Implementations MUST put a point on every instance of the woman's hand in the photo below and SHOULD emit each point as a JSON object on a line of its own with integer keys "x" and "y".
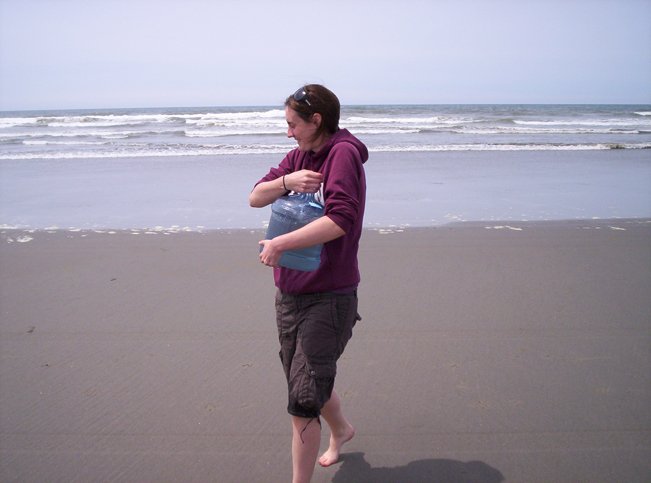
{"x": 270, "y": 254}
{"x": 319, "y": 231}
{"x": 304, "y": 181}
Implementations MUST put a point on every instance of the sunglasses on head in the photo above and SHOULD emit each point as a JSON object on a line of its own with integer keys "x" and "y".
{"x": 301, "y": 95}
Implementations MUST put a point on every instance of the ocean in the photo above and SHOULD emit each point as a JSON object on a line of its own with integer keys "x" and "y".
{"x": 192, "y": 168}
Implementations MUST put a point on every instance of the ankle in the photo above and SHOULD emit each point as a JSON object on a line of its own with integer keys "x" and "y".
{"x": 342, "y": 431}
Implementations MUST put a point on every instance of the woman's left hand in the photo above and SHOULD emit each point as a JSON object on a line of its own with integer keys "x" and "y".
{"x": 270, "y": 254}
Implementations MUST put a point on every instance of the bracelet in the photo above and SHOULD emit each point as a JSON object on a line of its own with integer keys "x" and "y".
{"x": 284, "y": 185}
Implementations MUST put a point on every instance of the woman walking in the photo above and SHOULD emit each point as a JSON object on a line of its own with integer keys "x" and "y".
{"x": 316, "y": 311}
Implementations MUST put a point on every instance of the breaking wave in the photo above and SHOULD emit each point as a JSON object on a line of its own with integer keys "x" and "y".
{"x": 187, "y": 132}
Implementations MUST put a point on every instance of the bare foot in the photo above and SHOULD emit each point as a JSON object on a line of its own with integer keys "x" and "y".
{"x": 332, "y": 455}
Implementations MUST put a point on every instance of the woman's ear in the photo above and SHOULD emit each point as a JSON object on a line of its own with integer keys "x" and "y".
{"x": 316, "y": 119}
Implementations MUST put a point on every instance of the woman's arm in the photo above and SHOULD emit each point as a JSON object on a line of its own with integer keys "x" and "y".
{"x": 266, "y": 193}
{"x": 319, "y": 231}
{"x": 303, "y": 181}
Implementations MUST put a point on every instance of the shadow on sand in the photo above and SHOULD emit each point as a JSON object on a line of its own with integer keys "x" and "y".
{"x": 354, "y": 468}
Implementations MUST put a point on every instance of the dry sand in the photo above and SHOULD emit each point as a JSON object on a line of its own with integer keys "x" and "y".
{"x": 518, "y": 353}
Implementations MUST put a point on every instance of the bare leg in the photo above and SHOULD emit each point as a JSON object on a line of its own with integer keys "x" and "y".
{"x": 341, "y": 431}
{"x": 306, "y": 438}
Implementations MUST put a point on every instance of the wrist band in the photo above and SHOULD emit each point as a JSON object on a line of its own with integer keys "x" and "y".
{"x": 284, "y": 185}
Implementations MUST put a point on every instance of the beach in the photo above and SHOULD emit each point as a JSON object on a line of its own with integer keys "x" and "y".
{"x": 505, "y": 297}
{"x": 489, "y": 351}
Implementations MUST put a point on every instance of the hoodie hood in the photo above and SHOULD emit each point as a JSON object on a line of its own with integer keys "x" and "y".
{"x": 341, "y": 136}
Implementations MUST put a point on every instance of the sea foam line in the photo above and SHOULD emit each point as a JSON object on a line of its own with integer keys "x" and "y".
{"x": 282, "y": 149}
{"x": 109, "y": 120}
{"x": 586, "y": 122}
{"x": 509, "y": 147}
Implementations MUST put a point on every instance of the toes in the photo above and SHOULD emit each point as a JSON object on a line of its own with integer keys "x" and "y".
{"x": 325, "y": 460}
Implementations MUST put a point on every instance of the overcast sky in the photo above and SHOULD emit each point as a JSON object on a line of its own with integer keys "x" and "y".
{"x": 57, "y": 54}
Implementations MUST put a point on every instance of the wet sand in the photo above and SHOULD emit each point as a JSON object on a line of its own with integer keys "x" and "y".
{"x": 486, "y": 353}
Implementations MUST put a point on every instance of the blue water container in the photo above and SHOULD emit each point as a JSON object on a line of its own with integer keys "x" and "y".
{"x": 289, "y": 213}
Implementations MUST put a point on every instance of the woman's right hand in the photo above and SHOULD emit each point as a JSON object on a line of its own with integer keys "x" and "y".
{"x": 304, "y": 181}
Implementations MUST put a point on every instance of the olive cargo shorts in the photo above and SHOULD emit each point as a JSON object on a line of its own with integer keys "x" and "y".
{"x": 313, "y": 330}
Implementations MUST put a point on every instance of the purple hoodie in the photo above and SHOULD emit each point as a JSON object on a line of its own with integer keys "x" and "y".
{"x": 344, "y": 188}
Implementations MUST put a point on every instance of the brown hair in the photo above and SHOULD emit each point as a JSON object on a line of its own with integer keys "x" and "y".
{"x": 321, "y": 100}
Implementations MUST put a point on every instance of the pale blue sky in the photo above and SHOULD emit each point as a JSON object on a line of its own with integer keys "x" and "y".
{"x": 57, "y": 54}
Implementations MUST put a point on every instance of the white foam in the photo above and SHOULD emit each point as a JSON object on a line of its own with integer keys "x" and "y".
{"x": 213, "y": 133}
{"x": 507, "y": 147}
{"x": 136, "y": 150}
{"x": 362, "y": 131}
{"x": 586, "y": 122}
{"x": 8, "y": 122}
{"x": 427, "y": 121}
{"x": 71, "y": 134}
{"x": 111, "y": 120}
{"x": 539, "y": 130}
{"x": 39, "y": 142}
{"x": 143, "y": 153}
{"x": 503, "y": 227}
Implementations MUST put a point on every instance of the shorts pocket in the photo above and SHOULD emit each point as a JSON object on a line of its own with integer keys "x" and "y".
{"x": 319, "y": 382}
{"x": 321, "y": 369}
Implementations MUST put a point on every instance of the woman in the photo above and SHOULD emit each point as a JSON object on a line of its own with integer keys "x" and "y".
{"x": 316, "y": 311}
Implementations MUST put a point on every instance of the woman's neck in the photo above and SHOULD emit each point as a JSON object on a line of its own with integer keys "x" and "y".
{"x": 320, "y": 143}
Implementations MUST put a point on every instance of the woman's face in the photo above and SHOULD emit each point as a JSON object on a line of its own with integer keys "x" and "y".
{"x": 302, "y": 131}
